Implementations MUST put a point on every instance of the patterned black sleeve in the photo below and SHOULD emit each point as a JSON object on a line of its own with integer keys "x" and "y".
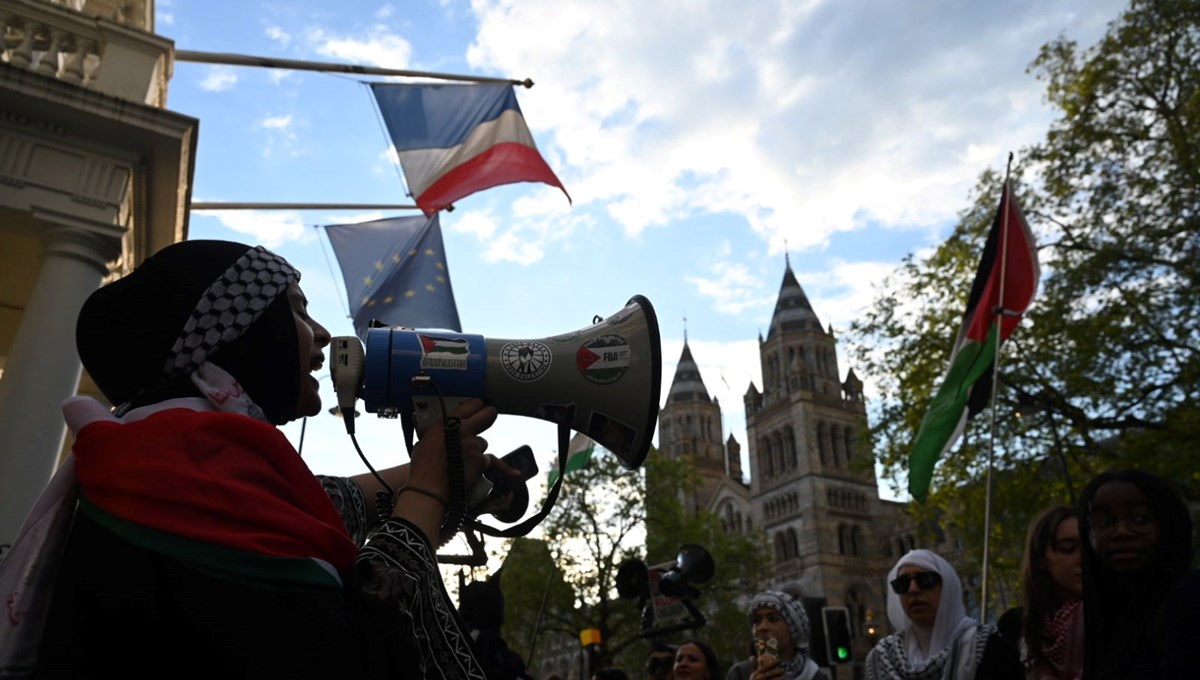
{"x": 348, "y": 499}
{"x": 398, "y": 569}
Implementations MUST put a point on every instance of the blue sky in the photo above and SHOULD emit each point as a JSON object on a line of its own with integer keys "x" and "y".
{"x": 696, "y": 138}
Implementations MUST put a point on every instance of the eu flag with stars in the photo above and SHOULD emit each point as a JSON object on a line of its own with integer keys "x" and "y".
{"x": 395, "y": 272}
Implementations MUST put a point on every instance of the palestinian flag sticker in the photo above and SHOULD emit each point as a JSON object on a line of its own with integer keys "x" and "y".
{"x": 603, "y": 360}
{"x": 444, "y": 352}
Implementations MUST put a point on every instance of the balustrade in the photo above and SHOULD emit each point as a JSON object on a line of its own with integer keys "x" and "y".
{"x": 99, "y": 45}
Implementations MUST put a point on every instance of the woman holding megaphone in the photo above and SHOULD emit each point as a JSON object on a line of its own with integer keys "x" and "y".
{"x": 201, "y": 537}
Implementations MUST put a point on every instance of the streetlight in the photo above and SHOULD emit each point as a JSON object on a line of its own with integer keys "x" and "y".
{"x": 871, "y": 628}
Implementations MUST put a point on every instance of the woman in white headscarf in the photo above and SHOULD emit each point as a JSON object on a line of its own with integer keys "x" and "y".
{"x": 934, "y": 638}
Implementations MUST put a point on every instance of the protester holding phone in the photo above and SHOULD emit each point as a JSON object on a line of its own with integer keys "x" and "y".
{"x": 781, "y": 633}
{"x": 935, "y": 638}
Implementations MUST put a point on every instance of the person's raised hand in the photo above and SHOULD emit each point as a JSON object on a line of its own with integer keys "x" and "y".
{"x": 428, "y": 468}
{"x": 424, "y": 498}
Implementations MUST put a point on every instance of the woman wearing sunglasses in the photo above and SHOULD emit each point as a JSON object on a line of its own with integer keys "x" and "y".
{"x": 934, "y": 638}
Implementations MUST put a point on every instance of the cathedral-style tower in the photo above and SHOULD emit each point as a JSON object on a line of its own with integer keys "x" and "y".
{"x": 813, "y": 487}
{"x": 689, "y": 427}
{"x": 812, "y": 491}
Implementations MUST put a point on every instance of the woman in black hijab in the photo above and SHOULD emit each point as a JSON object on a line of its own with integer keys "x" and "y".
{"x": 202, "y": 543}
{"x": 1140, "y": 601}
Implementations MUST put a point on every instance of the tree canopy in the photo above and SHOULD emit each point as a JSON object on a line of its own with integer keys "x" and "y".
{"x": 1102, "y": 372}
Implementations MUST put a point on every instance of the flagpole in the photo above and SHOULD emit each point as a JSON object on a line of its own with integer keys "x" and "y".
{"x": 218, "y": 205}
{"x": 998, "y": 316}
{"x": 537, "y": 626}
{"x": 331, "y": 67}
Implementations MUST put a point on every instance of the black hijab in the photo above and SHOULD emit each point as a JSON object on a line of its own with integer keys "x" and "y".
{"x": 126, "y": 331}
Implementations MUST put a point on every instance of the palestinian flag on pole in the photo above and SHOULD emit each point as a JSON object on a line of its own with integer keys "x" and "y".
{"x": 1004, "y": 286}
{"x": 579, "y": 455}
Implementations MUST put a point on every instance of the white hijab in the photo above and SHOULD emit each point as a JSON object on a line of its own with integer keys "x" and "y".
{"x": 952, "y": 648}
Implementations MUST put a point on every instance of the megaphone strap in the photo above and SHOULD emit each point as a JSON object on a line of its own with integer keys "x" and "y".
{"x": 564, "y": 437}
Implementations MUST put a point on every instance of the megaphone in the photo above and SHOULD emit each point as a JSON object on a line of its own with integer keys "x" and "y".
{"x": 693, "y": 564}
{"x": 603, "y": 380}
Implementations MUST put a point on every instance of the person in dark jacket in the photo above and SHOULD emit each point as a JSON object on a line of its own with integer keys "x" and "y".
{"x": 1141, "y": 599}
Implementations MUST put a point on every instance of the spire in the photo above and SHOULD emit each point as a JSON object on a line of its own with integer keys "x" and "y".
{"x": 792, "y": 310}
{"x": 687, "y": 385}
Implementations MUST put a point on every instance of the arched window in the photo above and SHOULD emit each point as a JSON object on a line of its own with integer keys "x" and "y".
{"x": 793, "y": 461}
{"x": 842, "y": 539}
{"x": 823, "y": 442}
{"x": 835, "y": 442}
{"x": 780, "y": 547}
{"x": 856, "y": 540}
{"x": 849, "y": 444}
{"x": 793, "y": 544}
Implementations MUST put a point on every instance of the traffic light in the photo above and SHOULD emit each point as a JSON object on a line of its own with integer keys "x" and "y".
{"x": 816, "y": 638}
{"x": 837, "y": 634}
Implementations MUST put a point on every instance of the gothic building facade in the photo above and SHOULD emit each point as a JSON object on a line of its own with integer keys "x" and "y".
{"x": 812, "y": 490}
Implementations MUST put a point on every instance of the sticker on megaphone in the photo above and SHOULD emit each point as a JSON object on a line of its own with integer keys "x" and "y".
{"x": 603, "y": 380}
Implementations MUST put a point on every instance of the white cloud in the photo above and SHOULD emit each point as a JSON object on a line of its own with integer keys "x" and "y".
{"x": 807, "y": 120}
{"x": 385, "y": 12}
{"x": 732, "y": 288}
{"x": 276, "y": 122}
{"x": 219, "y": 79}
{"x": 278, "y": 35}
{"x": 378, "y": 48}
{"x": 270, "y": 228}
{"x": 480, "y": 224}
{"x": 353, "y": 218}
{"x": 281, "y": 135}
{"x": 163, "y": 14}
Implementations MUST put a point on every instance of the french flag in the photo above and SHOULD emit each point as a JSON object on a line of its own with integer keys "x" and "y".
{"x": 454, "y": 140}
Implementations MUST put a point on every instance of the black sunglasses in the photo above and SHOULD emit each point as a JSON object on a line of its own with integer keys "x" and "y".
{"x": 926, "y": 580}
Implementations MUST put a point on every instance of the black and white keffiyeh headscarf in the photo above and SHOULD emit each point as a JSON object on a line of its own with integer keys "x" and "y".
{"x": 228, "y": 307}
{"x": 952, "y": 649}
{"x": 206, "y": 316}
{"x": 800, "y": 666}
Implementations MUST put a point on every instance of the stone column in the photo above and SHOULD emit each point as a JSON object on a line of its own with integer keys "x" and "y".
{"x": 43, "y": 368}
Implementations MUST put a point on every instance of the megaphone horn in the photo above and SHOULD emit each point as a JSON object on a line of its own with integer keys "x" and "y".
{"x": 603, "y": 380}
